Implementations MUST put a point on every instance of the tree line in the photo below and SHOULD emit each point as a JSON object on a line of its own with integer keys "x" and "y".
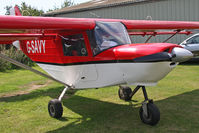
{"x": 28, "y": 10}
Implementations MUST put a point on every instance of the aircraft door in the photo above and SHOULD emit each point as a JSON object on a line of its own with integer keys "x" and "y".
{"x": 89, "y": 71}
{"x": 76, "y": 48}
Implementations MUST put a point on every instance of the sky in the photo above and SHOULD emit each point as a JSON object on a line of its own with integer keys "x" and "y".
{"x": 39, "y": 4}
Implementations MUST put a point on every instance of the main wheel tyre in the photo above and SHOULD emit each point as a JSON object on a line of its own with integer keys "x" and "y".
{"x": 153, "y": 114}
{"x": 55, "y": 108}
{"x": 124, "y": 93}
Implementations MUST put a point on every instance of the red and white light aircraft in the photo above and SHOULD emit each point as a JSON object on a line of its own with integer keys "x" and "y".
{"x": 92, "y": 53}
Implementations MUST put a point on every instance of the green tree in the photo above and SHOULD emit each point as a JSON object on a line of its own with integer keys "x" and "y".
{"x": 26, "y": 10}
{"x": 8, "y": 10}
{"x": 67, "y": 3}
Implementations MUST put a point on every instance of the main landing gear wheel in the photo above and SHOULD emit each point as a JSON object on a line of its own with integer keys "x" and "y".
{"x": 124, "y": 93}
{"x": 55, "y": 108}
{"x": 152, "y": 114}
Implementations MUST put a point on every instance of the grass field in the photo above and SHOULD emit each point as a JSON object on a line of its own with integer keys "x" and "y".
{"x": 24, "y": 98}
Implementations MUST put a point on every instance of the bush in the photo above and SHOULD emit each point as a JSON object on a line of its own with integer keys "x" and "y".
{"x": 15, "y": 54}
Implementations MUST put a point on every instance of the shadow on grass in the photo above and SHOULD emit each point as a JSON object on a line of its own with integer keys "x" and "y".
{"x": 99, "y": 116}
{"x": 178, "y": 113}
{"x": 52, "y": 92}
{"x": 191, "y": 62}
{"x": 49, "y": 92}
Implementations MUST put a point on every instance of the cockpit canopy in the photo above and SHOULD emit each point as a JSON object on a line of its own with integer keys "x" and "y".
{"x": 110, "y": 34}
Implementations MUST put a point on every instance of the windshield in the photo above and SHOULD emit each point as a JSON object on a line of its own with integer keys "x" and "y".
{"x": 110, "y": 34}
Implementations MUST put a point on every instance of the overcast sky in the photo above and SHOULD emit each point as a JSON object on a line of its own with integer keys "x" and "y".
{"x": 39, "y": 4}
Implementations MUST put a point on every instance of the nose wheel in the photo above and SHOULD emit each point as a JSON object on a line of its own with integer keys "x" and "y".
{"x": 149, "y": 113}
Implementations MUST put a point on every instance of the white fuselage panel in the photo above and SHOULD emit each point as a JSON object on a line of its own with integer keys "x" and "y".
{"x": 108, "y": 74}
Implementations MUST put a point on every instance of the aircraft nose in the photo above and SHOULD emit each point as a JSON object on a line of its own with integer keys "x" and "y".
{"x": 181, "y": 54}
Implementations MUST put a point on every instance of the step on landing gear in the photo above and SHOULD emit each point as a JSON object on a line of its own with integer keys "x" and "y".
{"x": 55, "y": 108}
{"x": 149, "y": 113}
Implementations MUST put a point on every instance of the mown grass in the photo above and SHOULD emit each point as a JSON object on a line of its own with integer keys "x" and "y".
{"x": 14, "y": 80}
{"x": 100, "y": 110}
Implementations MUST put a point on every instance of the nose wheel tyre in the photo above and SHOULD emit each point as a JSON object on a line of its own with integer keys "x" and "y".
{"x": 124, "y": 93}
{"x": 153, "y": 114}
{"x": 55, "y": 108}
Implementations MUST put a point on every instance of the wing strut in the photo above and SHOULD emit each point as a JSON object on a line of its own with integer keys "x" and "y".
{"x": 31, "y": 69}
{"x": 172, "y": 36}
{"x": 149, "y": 38}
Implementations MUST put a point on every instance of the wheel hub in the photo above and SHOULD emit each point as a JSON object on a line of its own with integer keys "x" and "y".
{"x": 52, "y": 109}
{"x": 121, "y": 93}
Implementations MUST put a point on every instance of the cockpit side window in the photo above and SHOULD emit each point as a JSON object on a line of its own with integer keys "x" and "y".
{"x": 74, "y": 45}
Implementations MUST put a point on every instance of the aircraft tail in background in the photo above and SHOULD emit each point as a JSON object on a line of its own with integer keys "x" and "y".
{"x": 15, "y": 11}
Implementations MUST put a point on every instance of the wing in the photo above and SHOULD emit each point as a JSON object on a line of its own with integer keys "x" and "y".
{"x": 157, "y": 25}
{"x": 28, "y": 28}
